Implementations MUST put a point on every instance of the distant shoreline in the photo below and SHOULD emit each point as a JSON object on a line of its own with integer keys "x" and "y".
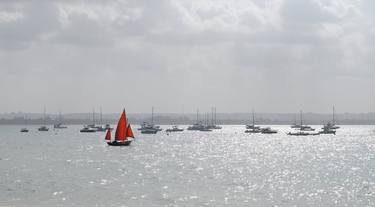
{"x": 187, "y": 119}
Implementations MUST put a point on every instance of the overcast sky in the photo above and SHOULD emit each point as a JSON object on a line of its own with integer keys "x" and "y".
{"x": 180, "y": 55}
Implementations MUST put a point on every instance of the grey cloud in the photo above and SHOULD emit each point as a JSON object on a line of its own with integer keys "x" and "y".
{"x": 271, "y": 56}
{"x": 39, "y": 19}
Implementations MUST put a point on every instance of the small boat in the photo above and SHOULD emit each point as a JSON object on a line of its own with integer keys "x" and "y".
{"x": 149, "y": 131}
{"x": 174, "y": 129}
{"x": 307, "y": 128}
{"x": 333, "y": 124}
{"x": 295, "y": 125}
{"x": 101, "y": 127}
{"x": 253, "y": 131}
{"x": 43, "y": 128}
{"x": 24, "y": 130}
{"x": 87, "y": 129}
{"x": 300, "y": 133}
{"x": 327, "y": 130}
{"x": 196, "y": 127}
{"x": 213, "y": 124}
{"x": 268, "y": 130}
{"x": 251, "y": 128}
{"x": 59, "y": 126}
{"x": 150, "y": 128}
{"x": 123, "y": 133}
{"x": 205, "y": 129}
{"x": 303, "y": 129}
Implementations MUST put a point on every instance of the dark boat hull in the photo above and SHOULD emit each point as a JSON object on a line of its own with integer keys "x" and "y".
{"x": 87, "y": 131}
{"x": 303, "y": 134}
{"x": 149, "y": 131}
{"x": 253, "y": 131}
{"x": 174, "y": 130}
{"x": 269, "y": 132}
{"x": 126, "y": 143}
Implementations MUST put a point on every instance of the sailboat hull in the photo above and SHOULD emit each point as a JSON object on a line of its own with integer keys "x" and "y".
{"x": 126, "y": 143}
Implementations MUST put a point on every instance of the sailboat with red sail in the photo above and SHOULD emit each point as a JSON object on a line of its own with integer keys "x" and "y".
{"x": 124, "y": 133}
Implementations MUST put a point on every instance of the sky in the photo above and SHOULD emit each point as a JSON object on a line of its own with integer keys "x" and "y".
{"x": 182, "y": 55}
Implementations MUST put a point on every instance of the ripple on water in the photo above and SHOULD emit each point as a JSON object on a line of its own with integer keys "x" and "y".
{"x": 221, "y": 168}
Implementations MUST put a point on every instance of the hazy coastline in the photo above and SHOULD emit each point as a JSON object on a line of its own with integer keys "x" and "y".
{"x": 190, "y": 118}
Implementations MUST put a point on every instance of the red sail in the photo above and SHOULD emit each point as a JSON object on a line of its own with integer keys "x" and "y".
{"x": 129, "y": 132}
{"x": 121, "y": 128}
{"x": 108, "y": 135}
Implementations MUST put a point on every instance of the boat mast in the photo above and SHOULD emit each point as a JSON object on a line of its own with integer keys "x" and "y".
{"x": 212, "y": 116}
{"x": 197, "y": 116}
{"x": 101, "y": 116}
{"x": 301, "y": 117}
{"x": 93, "y": 116}
{"x": 44, "y": 115}
{"x": 152, "y": 115}
{"x": 333, "y": 115}
{"x": 253, "y": 119}
{"x": 215, "y": 116}
{"x": 61, "y": 117}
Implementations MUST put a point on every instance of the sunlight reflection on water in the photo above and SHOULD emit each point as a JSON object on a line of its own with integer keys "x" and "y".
{"x": 224, "y": 167}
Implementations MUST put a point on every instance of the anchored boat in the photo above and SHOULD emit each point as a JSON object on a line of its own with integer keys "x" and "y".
{"x": 43, "y": 128}
{"x": 174, "y": 129}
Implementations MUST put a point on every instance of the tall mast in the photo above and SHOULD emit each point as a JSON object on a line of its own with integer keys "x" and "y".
{"x": 93, "y": 116}
{"x": 152, "y": 115}
{"x": 215, "y": 116}
{"x": 101, "y": 116}
{"x": 44, "y": 115}
{"x": 197, "y": 116}
{"x": 301, "y": 117}
{"x": 333, "y": 115}
{"x": 60, "y": 117}
{"x": 253, "y": 119}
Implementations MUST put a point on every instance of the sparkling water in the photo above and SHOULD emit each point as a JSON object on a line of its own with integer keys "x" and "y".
{"x": 221, "y": 168}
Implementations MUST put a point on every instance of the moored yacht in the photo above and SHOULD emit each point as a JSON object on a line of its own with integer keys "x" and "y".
{"x": 87, "y": 129}
{"x": 174, "y": 129}
{"x": 268, "y": 130}
{"x": 196, "y": 127}
{"x": 43, "y": 128}
{"x": 301, "y": 133}
{"x": 213, "y": 124}
{"x": 60, "y": 125}
{"x": 150, "y": 128}
{"x": 24, "y": 130}
{"x": 327, "y": 130}
{"x": 252, "y": 128}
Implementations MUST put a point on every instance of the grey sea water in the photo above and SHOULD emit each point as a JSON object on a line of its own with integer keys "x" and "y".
{"x": 221, "y": 168}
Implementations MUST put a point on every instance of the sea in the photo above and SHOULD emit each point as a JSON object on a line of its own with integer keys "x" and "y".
{"x": 220, "y": 168}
